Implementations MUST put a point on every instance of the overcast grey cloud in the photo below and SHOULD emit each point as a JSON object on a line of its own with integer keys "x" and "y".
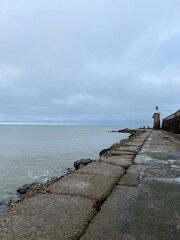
{"x": 88, "y": 61}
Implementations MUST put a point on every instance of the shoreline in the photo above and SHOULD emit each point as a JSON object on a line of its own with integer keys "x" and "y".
{"x": 73, "y": 200}
{"x": 35, "y": 187}
{"x": 121, "y": 196}
{"x": 37, "y": 159}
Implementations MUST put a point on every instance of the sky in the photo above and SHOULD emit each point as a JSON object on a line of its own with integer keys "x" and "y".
{"x": 89, "y": 61}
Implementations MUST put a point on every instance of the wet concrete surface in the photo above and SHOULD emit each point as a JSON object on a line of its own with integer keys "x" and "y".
{"x": 110, "y": 222}
{"x": 151, "y": 207}
{"x": 133, "y": 176}
{"x": 120, "y": 197}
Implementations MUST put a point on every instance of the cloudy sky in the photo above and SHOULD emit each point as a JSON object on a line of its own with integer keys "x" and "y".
{"x": 88, "y": 61}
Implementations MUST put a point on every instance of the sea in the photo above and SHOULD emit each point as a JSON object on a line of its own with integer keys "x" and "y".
{"x": 36, "y": 153}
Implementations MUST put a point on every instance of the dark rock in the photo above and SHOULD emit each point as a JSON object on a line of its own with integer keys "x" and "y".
{"x": 127, "y": 130}
{"x": 82, "y": 162}
{"x": 25, "y": 188}
{"x": 103, "y": 151}
{"x": 70, "y": 170}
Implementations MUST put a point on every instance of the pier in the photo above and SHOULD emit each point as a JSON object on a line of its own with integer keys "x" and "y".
{"x": 172, "y": 123}
{"x": 131, "y": 193}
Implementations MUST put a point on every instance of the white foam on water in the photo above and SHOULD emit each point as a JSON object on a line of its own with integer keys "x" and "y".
{"x": 39, "y": 176}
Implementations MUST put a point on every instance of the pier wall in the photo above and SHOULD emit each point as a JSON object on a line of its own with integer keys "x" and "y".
{"x": 131, "y": 189}
{"x": 172, "y": 123}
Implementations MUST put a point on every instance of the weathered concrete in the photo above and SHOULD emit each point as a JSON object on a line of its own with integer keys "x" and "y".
{"x": 154, "y": 215}
{"x": 132, "y": 176}
{"x": 128, "y": 148}
{"x": 50, "y": 217}
{"x": 141, "y": 204}
{"x": 145, "y": 204}
{"x": 103, "y": 169}
{"x": 122, "y": 160}
{"x": 134, "y": 142}
{"x": 67, "y": 206}
{"x": 117, "y": 153}
{"x": 93, "y": 186}
{"x": 109, "y": 223}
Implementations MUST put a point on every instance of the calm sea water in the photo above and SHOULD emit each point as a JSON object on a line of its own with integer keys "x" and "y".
{"x": 37, "y": 153}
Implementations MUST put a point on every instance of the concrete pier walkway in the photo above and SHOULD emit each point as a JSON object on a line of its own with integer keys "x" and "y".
{"x": 131, "y": 193}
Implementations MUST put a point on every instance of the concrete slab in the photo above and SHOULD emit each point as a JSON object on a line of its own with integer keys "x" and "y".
{"x": 92, "y": 186}
{"x": 155, "y": 214}
{"x": 133, "y": 176}
{"x": 161, "y": 172}
{"x": 152, "y": 158}
{"x": 50, "y": 217}
{"x": 126, "y": 148}
{"x": 134, "y": 143}
{"x": 117, "y": 153}
{"x": 138, "y": 213}
{"x": 104, "y": 169}
{"x": 110, "y": 222}
{"x": 159, "y": 148}
{"x": 123, "y": 160}
{"x": 142, "y": 139}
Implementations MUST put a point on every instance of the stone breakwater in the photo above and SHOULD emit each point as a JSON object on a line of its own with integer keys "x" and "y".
{"x": 29, "y": 190}
{"x": 78, "y": 193}
{"x": 131, "y": 192}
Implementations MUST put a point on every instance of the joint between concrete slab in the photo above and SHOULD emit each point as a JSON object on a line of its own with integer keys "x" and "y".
{"x": 67, "y": 194}
{"x": 98, "y": 174}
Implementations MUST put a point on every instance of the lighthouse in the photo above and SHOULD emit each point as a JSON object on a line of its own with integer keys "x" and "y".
{"x": 156, "y": 117}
